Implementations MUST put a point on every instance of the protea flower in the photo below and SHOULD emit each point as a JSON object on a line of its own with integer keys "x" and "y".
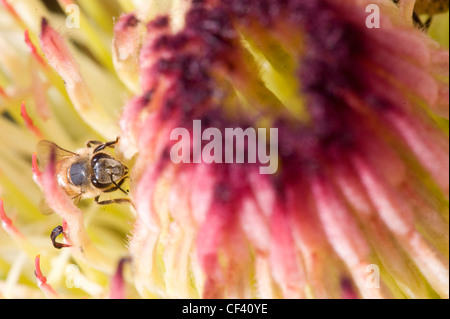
{"x": 357, "y": 206}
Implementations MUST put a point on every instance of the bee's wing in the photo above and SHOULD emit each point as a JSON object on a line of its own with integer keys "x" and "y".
{"x": 44, "y": 208}
{"x": 45, "y": 149}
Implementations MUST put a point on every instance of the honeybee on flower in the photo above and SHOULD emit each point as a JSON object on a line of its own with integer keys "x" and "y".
{"x": 358, "y": 205}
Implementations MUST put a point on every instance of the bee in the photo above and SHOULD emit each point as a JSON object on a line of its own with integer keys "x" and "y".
{"x": 88, "y": 172}
{"x": 430, "y": 8}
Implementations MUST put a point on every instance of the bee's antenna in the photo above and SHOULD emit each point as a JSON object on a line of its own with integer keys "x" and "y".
{"x": 118, "y": 186}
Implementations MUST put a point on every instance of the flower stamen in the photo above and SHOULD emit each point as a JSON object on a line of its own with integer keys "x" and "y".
{"x": 48, "y": 290}
{"x": 29, "y": 122}
{"x": 33, "y": 49}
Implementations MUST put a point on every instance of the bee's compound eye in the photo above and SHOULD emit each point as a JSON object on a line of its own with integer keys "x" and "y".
{"x": 78, "y": 173}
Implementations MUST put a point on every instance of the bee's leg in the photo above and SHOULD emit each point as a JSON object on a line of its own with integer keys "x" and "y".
{"x": 422, "y": 25}
{"x": 112, "y": 201}
{"x": 427, "y": 24}
{"x": 417, "y": 21}
{"x": 102, "y": 145}
{"x": 90, "y": 143}
{"x": 58, "y": 230}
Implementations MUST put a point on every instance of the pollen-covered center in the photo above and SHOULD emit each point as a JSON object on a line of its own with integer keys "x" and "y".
{"x": 346, "y": 102}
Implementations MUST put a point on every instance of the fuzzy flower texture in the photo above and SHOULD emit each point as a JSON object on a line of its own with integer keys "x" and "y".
{"x": 357, "y": 208}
